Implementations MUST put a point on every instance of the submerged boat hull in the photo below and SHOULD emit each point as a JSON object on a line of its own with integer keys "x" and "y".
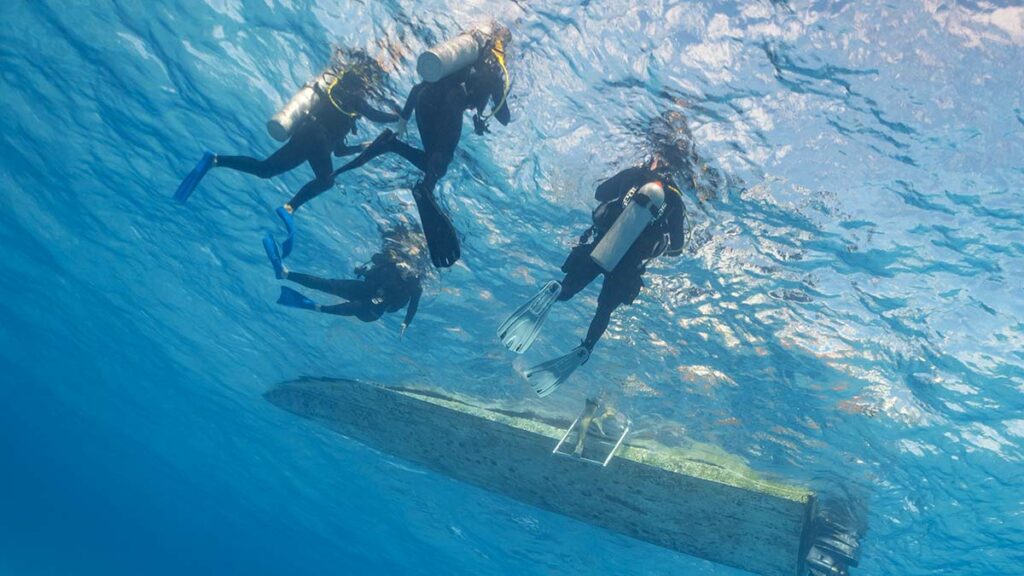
{"x": 692, "y": 507}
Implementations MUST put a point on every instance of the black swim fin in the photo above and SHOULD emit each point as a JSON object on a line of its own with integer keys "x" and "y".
{"x": 437, "y": 227}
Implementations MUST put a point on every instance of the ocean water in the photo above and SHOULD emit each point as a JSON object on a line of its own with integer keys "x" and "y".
{"x": 848, "y": 316}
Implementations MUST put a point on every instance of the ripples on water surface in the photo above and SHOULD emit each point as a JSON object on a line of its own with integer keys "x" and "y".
{"x": 850, "y": 314}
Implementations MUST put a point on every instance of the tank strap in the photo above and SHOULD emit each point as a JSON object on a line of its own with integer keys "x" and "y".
{"x": 330, "y": 95}
{"x": 628, "y": 196}
{"x": 645, "y": 201}
{"x": 498, "y": 50}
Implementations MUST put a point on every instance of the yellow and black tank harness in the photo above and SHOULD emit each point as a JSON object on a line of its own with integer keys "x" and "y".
{"x": 330, "y": 94}
{"x": 498, "y": 50}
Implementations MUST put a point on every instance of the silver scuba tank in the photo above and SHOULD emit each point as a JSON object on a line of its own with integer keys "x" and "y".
{"x": 283, "y": 124}
{"x": 642, "y": 208}
{"x": 454, "y": 54}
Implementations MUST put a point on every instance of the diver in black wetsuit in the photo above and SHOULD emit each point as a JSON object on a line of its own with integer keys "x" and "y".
{"x": 656, "y": 202}
{"x": 622, "y": 285}
{"x": 322, "y": 134}
{"x": 439, "y": 108}
{"x": 392, "y": 280}
{"x": 323, "y": 131}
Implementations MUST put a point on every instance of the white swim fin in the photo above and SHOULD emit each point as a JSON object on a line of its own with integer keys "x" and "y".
{"x": 548, "y": 376}
{"x": 521, "y": 328}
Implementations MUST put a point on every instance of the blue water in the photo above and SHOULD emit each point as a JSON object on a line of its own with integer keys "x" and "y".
{"x": 849, "y": 315}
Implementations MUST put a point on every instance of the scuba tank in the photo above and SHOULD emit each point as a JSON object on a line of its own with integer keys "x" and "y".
{"x": 642, "y": 207}
{"x": 283, "y": 124}
{"x": 454, "y": 54}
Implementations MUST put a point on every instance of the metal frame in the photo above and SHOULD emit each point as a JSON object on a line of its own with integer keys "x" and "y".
{"x": 611, "y": 453}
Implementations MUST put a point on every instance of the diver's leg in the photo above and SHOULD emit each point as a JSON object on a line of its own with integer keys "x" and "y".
{"x": 606, "y": 304}
{"x": 435, "y": 167}
{"x": 598, "y": 326}
{"x": 383, "y": 144}
{"x": 343, "y": 150}
{"x": 440, "y": 139}
{"x": 318, "y": 153}
{"x": 311, "y": 190}
{"x": 320, "y": 161}
{"x": 347, "y": 289}
{"x": 580, "y": 270}
{"x": 413, "y": 155}
{"x": 439, "y": 132}
{"x": 617, "y": 289}
{"x": 365, "y": 311}
{"x": 289, "y": 156}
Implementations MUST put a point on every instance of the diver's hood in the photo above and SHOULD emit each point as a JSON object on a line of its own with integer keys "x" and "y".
{"x": 500, "y": 32}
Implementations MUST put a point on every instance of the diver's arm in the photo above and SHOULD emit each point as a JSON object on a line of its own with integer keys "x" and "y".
{"x": 409, "y": 109}
{"x": 374, "y": 115}
{"x": 414, "y": 303}
{"x": 410, "y": 102}
{"x": 617, "y": 185}
{"x": 676, "y": 226}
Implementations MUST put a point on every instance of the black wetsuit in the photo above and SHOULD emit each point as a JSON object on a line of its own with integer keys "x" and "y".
{"x": 439, "y": 108}
{"x": 623, "y": 284}
{"x": 314, "y": 140}
{"x": 385, "y": 287}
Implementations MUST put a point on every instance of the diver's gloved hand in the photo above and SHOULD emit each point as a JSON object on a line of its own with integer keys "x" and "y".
{"x": 479, "y": 125}
{"x": 401, "y": 128}
{"x": 401, "y": 333}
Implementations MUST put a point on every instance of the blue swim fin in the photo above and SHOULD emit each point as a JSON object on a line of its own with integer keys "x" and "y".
{"x": 274, "y": 256}
{"x": 188, "y": 185}
{"x": 289, "y": 226}
{"x": 294, "y": 299}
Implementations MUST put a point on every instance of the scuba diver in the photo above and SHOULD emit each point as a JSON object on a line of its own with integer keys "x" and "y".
{"x": 641, "y": 217}
{"x": 392, "y": 280}
{"x": 461, "y": 74}
{"x": 315, "y": 123}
